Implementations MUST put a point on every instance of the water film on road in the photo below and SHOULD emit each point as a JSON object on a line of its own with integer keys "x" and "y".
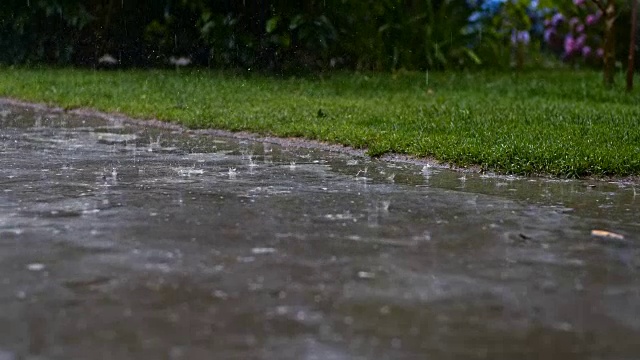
{"x": 130, "y": 242}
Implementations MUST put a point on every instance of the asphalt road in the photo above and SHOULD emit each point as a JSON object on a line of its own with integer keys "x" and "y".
{"x": 127, "y": 242}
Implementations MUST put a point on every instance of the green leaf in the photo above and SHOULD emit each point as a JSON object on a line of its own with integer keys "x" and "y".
{"x": 272, "y": 24}
{"x": 473, "y": 56}
{"x": 296, "y": 22}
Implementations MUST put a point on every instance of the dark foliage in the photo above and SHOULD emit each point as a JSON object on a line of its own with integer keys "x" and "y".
{"x": 272, "y": 35}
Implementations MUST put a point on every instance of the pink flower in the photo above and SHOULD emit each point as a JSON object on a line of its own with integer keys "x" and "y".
{"x": 586, "y": 52}
{"x": 569, "y": 45}
{"x": 600, "y": 52}
{"x": 591, "y": 19}
{"x": 579, "y": 2}
{"x": 557, "y": 19}
{"x": 580, "y": 42}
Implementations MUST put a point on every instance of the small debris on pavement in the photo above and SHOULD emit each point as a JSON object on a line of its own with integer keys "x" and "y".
{"x": 606, "y": 235}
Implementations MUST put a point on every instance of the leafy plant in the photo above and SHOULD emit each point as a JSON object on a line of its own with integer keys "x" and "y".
{"x": 507, "y": 31}
{"x": 446, "y": 44}
{"x": 307, "y": 40}
{"x": 594, "y": 30}
{"x": 576, "y": 33}
{"x": 40, "y": 30}
{"x": 228, "y": 45}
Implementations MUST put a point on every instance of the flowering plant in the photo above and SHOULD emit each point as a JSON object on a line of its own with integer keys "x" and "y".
{"x": 575, "y": 34}
{"x": 515, "y": 25}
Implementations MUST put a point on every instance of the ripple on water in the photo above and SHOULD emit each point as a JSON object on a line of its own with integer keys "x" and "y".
{"x": 111, "y": 138}
{"x": 64, "y": 208}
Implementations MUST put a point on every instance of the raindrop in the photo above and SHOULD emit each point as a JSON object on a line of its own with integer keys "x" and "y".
{"x": 245, "y": 259}
{"x": 35, "y": 267}
{"x": 189, "y": 171}
{"x": 363, "y": 172}
{"x": 251, "y": 162}
{"x": 263, "y": 250}
{"x": 107, "y": 60}
{"x": 179, "y": 61}
{"x": 220, "y": 294}
{"x": 366, "y": 275}
{"x": 154, "y": 144}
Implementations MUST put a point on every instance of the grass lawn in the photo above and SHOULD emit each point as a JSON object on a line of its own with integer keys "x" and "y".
{"x": 545, "y": 122}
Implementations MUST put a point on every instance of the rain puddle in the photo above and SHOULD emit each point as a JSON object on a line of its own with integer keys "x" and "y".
{"x": 125, "y": 242}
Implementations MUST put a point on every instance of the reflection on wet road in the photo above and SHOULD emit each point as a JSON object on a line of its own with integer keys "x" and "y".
{"x": 123, "y": 242}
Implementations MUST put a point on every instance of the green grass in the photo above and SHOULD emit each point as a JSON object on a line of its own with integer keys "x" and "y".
{"x": 545, "y": 122}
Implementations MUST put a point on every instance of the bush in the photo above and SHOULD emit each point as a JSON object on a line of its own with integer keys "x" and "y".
{"x": 574, "y": 32}
{"x": 41, "y": 31}
{"x": 276, "y": 36}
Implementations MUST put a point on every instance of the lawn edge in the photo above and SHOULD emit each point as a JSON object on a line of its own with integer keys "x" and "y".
{"x": 297, "y": 142}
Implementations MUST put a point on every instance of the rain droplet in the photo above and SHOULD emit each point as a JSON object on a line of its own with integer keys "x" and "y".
{"x": 263, "y": 250}
{"x": 366, "y": 275}
{"x": 35, "y": 267}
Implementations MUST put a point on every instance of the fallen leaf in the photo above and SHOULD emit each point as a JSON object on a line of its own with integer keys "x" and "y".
{"x": 606, "y": 234}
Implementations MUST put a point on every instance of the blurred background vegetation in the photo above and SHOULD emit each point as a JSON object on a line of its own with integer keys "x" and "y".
{"x": 308, "y": 36}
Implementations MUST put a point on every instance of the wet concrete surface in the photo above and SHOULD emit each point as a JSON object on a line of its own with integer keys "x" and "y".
{"x": 125, "y": 242}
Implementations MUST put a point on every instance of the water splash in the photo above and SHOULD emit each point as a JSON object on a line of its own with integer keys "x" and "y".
{"x": 362, "y": 174}
{"x": 188, "y": 171}
{"x": 252, "y": 163}
{"x": 153, "y": 145}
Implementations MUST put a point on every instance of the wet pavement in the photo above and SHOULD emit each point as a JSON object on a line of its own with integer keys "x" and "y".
{"x": 125, "y": 242}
